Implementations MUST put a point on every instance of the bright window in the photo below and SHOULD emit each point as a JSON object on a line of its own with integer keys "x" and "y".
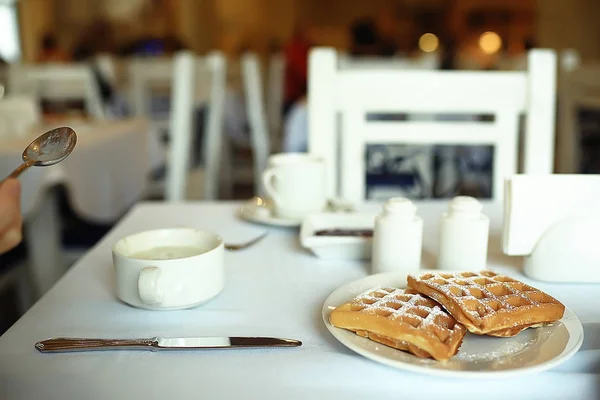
{"x": 10, "y": 49}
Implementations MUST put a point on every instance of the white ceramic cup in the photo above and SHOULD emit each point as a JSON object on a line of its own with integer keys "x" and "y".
{"x": 296, "y": 184}
{"x": 169, "y": 269}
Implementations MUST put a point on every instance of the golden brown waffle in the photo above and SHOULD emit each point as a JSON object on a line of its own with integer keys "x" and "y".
{"x": 405, "y": 321}
{"x": 487, "y": 303}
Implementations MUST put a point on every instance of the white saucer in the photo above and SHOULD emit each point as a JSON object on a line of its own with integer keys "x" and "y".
{"x": 264, "y": 215}
{"x": 261, "y": 211}
{"x": 533, "y": 350}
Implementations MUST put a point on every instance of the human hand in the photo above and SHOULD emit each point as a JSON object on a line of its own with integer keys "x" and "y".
{"x": 11, "y": 221}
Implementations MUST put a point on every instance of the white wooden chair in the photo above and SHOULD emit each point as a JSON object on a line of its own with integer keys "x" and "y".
{"x": 213, "y": 71}
{"x": 579, "y": 89}
{"x": 259, "y": 129}
{"x": 354, "y": 93}
{"x": 58, "y": 82}
{"x": 426, "y": 61}
{"x": 150, "y": 79}
{"x": 415, "y": 158}
{"x": 106, "y": 64}
{"x": 181, "y": 125}
{"x": 196, "y": 80}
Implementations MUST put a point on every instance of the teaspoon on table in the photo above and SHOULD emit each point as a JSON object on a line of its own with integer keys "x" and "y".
{"x": 48, "y": 149}
{"x": 242, "y": 246}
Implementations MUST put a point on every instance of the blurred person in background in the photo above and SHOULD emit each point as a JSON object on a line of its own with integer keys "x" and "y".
{"x": 386, "y": 25}
{"x": 50, "y": 52}
{"x": 11, "y": 222}
{"x": 236, "y": 118}
{"x": 370, "y": 38}
{"x": 364, "y": 40}
{"x": 96, "y": 38}
{"x": 449, "y": 54}
{"x": 150, "y": 46}
{"x": 295, "y": 128}
{"x": 296, "y": 66}
{"x": 100, "y": 38}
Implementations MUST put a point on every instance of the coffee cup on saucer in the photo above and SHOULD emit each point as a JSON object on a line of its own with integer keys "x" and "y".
{"x": 295, "y": 182}
{"x": 169, "y": 269}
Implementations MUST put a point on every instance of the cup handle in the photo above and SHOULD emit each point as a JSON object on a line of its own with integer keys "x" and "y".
{"x": 267, "y": 178}
{"x": 149, "y": 287}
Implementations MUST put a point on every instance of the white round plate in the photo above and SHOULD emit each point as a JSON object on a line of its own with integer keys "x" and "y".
{"x": 248, "y": 213}
{"x": 532, "y": 350}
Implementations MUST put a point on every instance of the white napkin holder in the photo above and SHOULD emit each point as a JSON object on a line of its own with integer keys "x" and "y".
{"x": 554, "y": 221}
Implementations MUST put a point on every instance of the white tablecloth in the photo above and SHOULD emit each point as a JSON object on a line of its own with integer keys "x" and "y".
{"x": 275, "y": 288}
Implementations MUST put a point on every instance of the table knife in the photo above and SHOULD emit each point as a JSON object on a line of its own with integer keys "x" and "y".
{"x": 60, "y": 344}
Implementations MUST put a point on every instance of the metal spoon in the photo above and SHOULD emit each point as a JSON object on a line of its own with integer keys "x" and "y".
{"x": 48, "y": 149}
{"x": 242, "y": 246}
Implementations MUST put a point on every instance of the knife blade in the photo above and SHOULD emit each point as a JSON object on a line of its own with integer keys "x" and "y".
{"x": 65, "y": 344}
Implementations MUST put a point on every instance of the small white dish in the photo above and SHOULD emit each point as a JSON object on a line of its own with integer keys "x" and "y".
{"x": 337, "y": 247}
{"x": 484, "y": 357}
{"x": 261, "y": 212}
{"x": 169, "y": 269}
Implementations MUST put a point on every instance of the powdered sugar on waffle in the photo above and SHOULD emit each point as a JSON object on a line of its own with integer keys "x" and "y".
{"x": 381, "y": 299}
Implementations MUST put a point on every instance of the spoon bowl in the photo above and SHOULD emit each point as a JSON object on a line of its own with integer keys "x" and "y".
{"x": 51, "y": 148}
{"x": 48, "y": 149}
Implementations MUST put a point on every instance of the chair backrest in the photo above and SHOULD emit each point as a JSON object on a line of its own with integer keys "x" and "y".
{"x": 275, "y": 94}
{"x": 579, "y": 91}
{"x": 18, "y": 115}
{"x": 215, "y": 66}
{"x": 354, "y": 93}
{"x": 257, "y": 118}
{"x": 58, "y": 82}
{"x": 424, "y": 61}
{"x": 106, "y": 65}
{"x": 193, "y": 78}
{"x": 181, "y": 125}
{"x": 148, "y": 75}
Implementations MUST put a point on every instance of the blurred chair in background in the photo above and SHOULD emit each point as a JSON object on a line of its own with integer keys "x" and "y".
{"x": 357, "y": 93}
{"x": 150, "y": 84}
{"x": 260, "y": 139}
{"x": 578, "y": 140}
{"x": 58, "y": 82}
{"x": 196, "y": 82}
{"x": 275, "y": 94}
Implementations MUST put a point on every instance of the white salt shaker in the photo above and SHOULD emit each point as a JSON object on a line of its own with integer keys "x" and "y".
{"x": 464, "y": 235}
{"x": 397, "y": 238}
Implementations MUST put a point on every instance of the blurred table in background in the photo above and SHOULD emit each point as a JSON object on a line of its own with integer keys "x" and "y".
{"x": 104, "y": 176}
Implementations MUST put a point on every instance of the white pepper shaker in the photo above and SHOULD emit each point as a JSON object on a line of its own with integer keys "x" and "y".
{"x": 397, "y": 238}
{"x": 464, "y": 236}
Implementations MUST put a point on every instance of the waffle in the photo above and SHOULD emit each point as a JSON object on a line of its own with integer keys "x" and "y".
{"x": 404, "y": 320}
{"x": 487, "y": 303}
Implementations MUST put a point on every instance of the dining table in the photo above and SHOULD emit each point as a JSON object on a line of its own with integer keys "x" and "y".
{"x": 275, "y": 288}
{"x": 107, "y": 173}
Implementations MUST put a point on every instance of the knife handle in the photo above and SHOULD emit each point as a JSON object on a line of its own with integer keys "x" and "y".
{"x": 54, "y": 345}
